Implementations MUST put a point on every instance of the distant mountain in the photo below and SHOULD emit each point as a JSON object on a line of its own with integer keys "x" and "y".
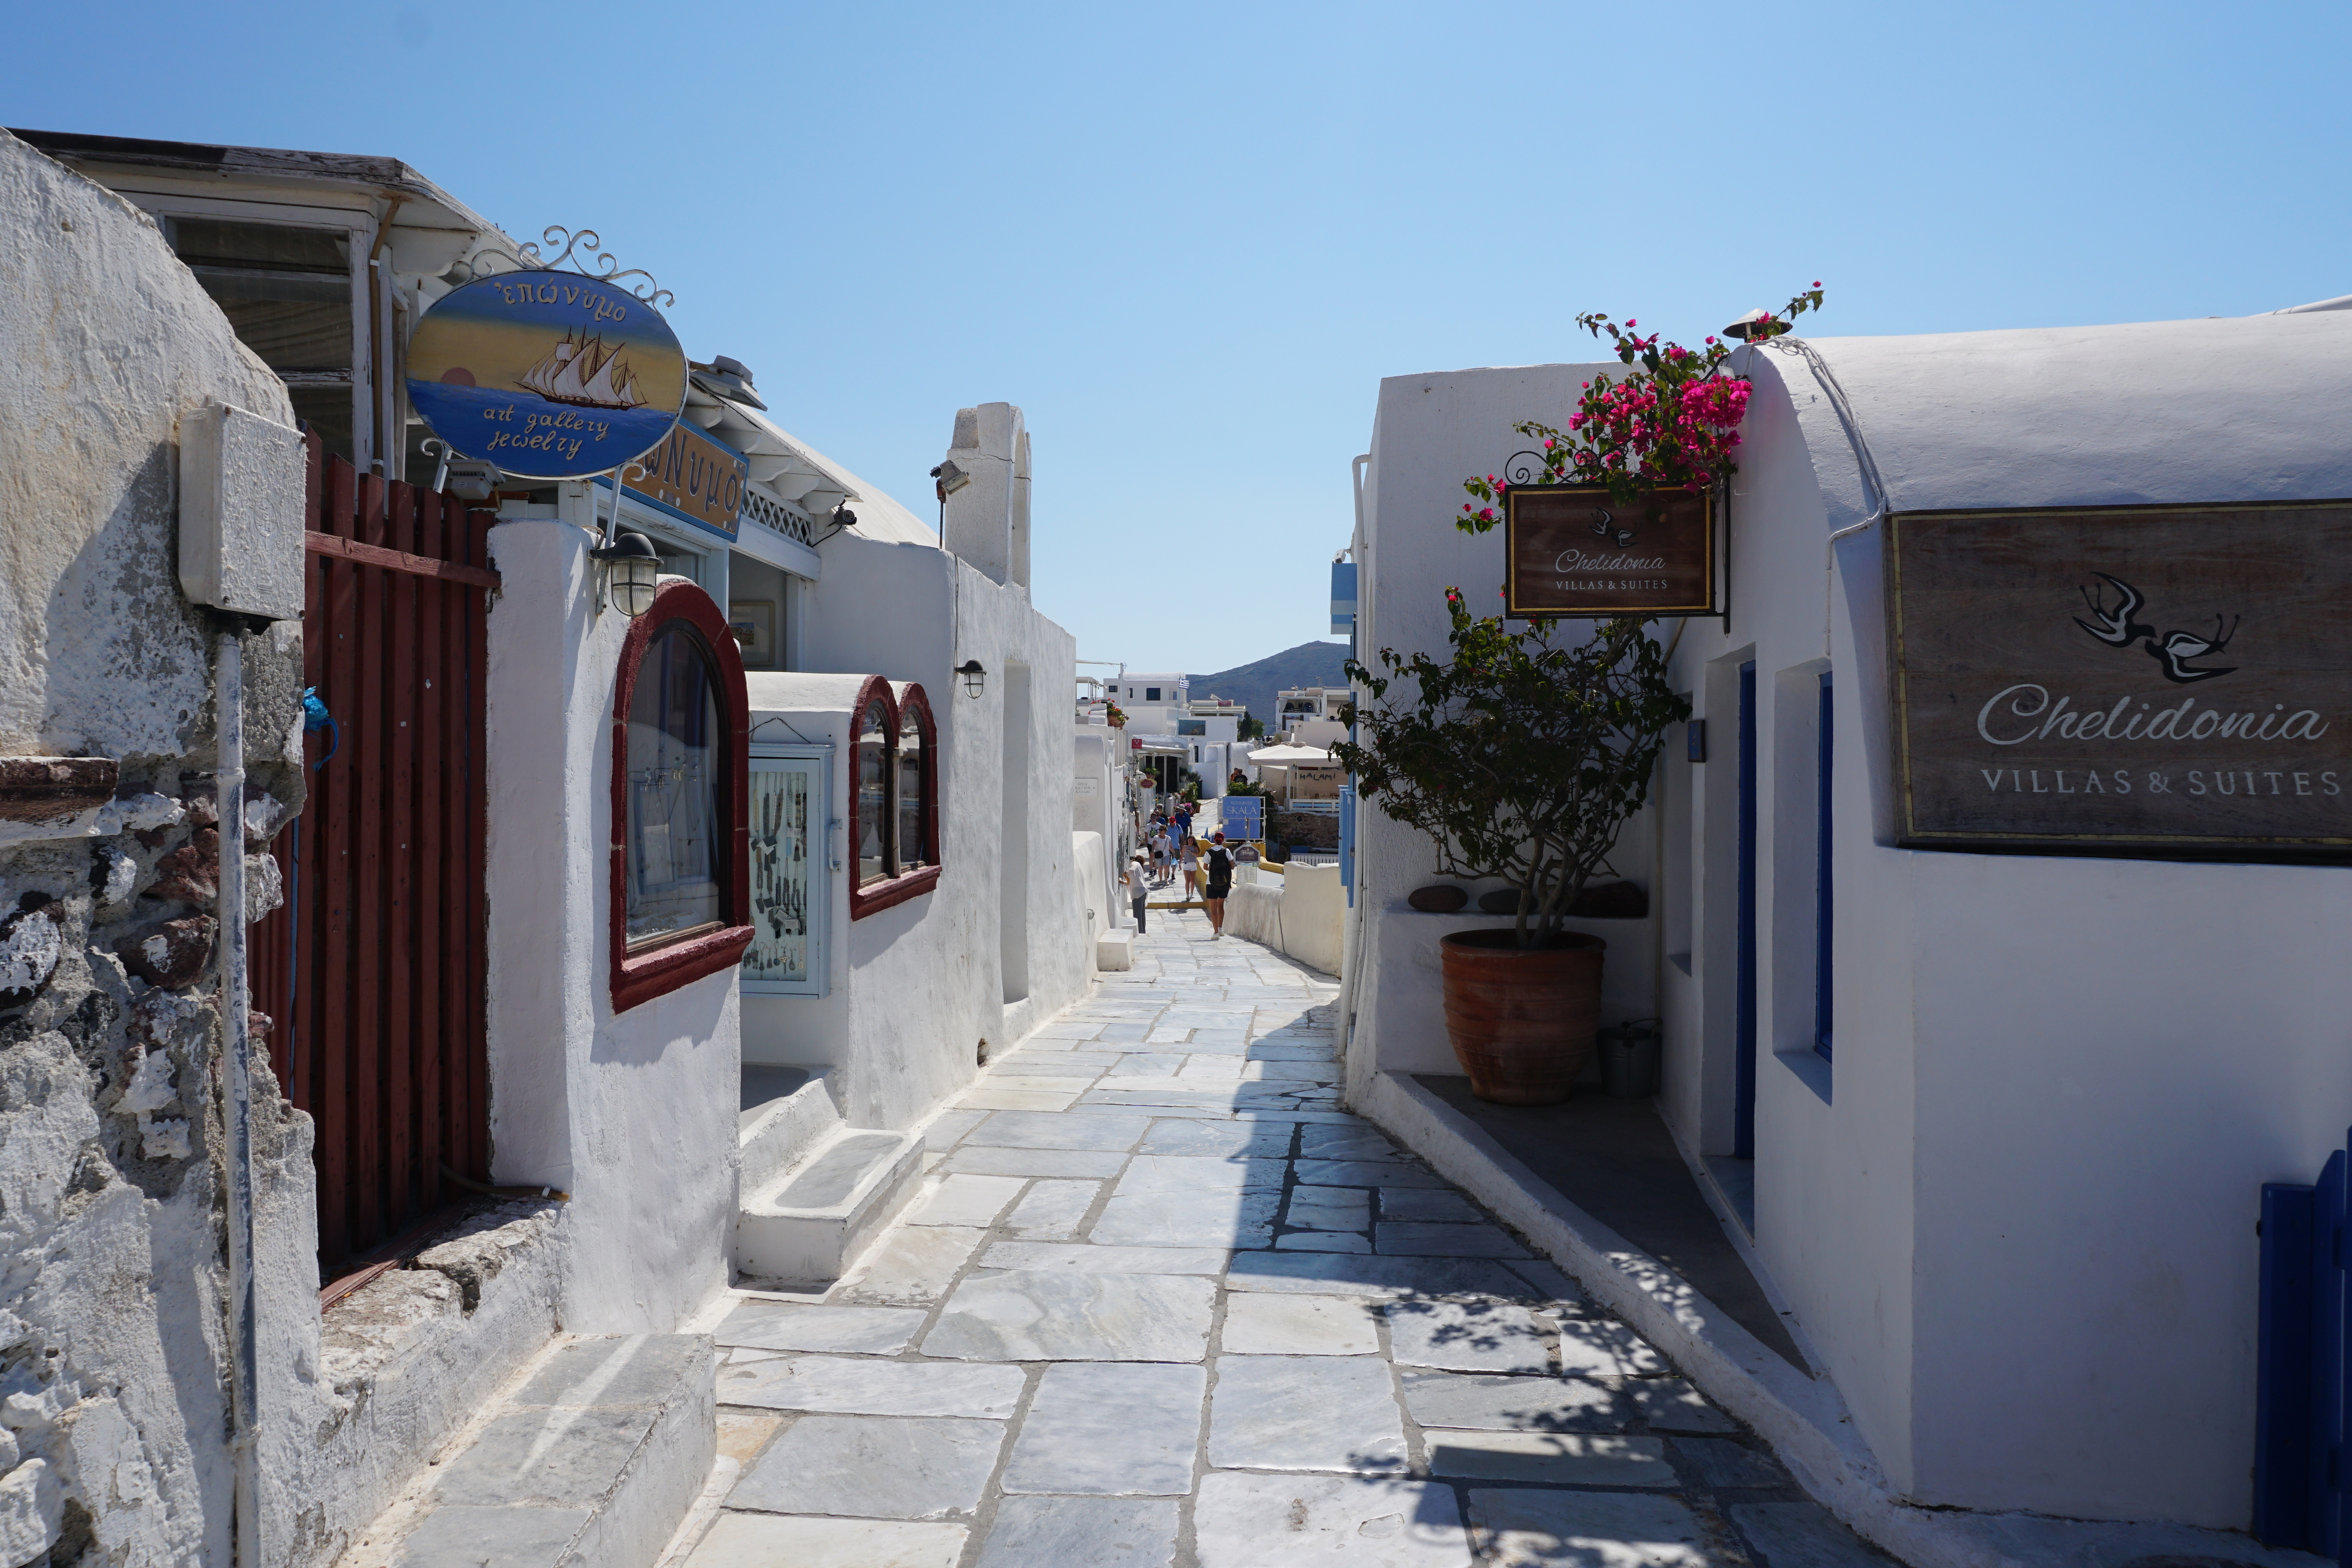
{"x": 1255, "y": 684}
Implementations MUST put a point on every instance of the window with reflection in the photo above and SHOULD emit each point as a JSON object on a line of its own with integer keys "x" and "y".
{"x": 913, "y": 845}
{"x": 897, "y": 776}
{"x": 873, "y": 792}
{"x": 675, "y": 757}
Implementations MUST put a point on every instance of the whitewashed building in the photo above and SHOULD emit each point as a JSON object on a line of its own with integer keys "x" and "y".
{"x": 518, "y": 1105}
{"x": 1989, "y": 1126}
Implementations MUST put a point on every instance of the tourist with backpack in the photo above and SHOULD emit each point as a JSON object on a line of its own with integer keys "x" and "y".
{"x": 1221, "y": 884}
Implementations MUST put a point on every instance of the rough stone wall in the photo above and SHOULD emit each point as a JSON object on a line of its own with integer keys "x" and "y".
{"x": 113, "y": 1407}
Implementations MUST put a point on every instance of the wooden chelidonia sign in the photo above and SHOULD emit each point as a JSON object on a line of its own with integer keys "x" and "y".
{"x": 2152, "y": 681}
{"x": 1572, "y": 552}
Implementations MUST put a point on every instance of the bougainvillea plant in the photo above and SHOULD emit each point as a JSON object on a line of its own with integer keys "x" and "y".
{"x": 1672, "y": 424}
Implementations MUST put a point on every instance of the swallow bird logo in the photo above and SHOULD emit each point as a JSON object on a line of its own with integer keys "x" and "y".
{"x": 2120, "y": 627}
{"x": 1606, "y": 527}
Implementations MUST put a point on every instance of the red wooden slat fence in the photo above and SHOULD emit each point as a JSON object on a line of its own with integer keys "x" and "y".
{"x": 372, "y": 972}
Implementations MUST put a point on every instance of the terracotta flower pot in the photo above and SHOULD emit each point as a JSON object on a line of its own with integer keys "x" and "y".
{"x": 1521, "y": 1019}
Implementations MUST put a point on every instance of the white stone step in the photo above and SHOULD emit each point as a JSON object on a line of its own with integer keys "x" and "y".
{"x": 781, "y": 1134}
{"x": 590, "y": 1462}
{"x": 1114, "y": 950}
{"x": 805, "y": 1226}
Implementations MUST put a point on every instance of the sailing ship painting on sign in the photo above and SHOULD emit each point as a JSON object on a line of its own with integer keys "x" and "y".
{"x": 550, "y": 375}
{"x": 585, "y": 372}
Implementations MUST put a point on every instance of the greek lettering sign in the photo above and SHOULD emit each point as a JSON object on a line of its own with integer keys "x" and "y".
{"x": 1572, "y": 552}
{"x": 550, "y": 375}
{"x": 2151, "y": 681}
{"x": 694, "y": 476}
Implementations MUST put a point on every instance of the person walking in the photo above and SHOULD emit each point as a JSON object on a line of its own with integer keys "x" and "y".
{"x": 1188, "y": 855}
{"x": 1138, "y": 877}
{"x": 1221, "y": 884}
{"x": 1184, "y": 821}
{"x": 1160, "y": 856}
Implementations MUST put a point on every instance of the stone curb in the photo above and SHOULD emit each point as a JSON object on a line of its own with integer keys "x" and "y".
{"x": 1804, "y": 1419}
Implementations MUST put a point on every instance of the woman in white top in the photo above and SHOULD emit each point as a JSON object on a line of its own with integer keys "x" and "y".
{"x": 1138, "y": 877}
{"x": 1188, "y": 855}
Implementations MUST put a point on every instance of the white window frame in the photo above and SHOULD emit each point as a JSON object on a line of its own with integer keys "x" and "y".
{"x": 360, "y": 228}
{"x": 816, "y": 760}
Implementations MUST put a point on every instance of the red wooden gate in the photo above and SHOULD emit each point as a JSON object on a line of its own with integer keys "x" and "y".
{"x": 374, "y": 970}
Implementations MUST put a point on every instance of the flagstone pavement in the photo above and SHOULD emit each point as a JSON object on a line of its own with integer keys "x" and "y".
{"x": 1164, "y": 1305}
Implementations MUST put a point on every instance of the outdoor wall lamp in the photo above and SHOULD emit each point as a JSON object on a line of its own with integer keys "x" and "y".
{"x": 841, "y": 516}
{"x": 975, "y": 678}
{"x": 631, "y": 568}
{"x": 1757, "y": 323}
{"x": 952, "y": 479}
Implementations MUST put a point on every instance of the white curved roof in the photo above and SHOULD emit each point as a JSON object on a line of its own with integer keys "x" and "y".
{"x": 2238, "y": 407}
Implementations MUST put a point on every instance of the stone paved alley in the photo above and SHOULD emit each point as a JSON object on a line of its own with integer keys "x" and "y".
{"x": 1162, "y": 1304}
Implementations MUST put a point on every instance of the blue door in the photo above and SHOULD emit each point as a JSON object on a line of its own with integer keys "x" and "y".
{"x": 2302, "y": 1397}
{"x": 1743, "y": 1126}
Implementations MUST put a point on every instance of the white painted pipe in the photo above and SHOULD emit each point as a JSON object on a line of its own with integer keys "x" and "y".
{"x": 229, "y": 789}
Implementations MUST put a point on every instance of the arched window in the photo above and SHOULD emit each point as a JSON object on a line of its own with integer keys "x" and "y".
{"x": 915, "y": 803}
{"x": 680, "y": 789}
{"x": 896, "y": 775}
{"x": 875, "y": 725}
{"x": 674, "y": 759}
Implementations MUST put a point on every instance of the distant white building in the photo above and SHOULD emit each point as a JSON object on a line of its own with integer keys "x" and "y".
{"x": 1151, "y": 702}
{"x": 1308, "y": 716}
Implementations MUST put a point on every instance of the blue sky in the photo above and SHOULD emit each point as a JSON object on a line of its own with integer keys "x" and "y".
{"x": 1191, "y": 240}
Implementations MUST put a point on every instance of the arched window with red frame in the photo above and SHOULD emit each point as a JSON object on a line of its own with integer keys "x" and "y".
{"x": 895, "y": 772}
{"x": 681, "y": 778}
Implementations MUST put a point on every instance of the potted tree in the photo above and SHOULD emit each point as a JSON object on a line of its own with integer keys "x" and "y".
{"x": 1522, "y": 754}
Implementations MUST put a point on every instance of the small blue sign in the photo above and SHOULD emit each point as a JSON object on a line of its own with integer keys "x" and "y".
{"x": 1343, "y": 598}
{"x": 1242, "y": 816}
{"x": 550, "y": 375}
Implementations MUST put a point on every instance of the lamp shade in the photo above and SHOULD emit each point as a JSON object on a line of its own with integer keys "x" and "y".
{"x": 632, "y": 571}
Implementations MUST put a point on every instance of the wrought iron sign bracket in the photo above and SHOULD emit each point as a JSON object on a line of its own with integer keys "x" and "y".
{"x": 582, "y": 249}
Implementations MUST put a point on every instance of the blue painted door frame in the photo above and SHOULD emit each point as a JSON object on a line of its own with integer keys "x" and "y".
{"x": 2301, "y": 1397}
{"x": 1743, "y": 1122}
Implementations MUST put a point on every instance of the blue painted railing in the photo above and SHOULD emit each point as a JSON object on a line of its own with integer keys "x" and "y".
{"x": 2301, "y": 1399}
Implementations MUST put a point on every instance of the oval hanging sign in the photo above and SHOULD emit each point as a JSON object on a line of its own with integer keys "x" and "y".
{"x": 550, "y": 375}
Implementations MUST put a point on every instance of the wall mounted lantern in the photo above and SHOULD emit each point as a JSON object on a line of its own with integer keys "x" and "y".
{"x": 950, "y": 479}
{"x": 840, "y": 517}
{"x": 975, "y": 678}
{"x": 630, "y": 570}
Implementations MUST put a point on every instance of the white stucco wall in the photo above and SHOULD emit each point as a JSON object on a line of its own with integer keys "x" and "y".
{"x": 634, "y": 1113}
{"x": 1297, "y": 911}
{"x": 1098, "y": 806}
{"x": 2051, "y": 1108}
{"x": 917, "y": 987}
{"x": 1432, "y": 432}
